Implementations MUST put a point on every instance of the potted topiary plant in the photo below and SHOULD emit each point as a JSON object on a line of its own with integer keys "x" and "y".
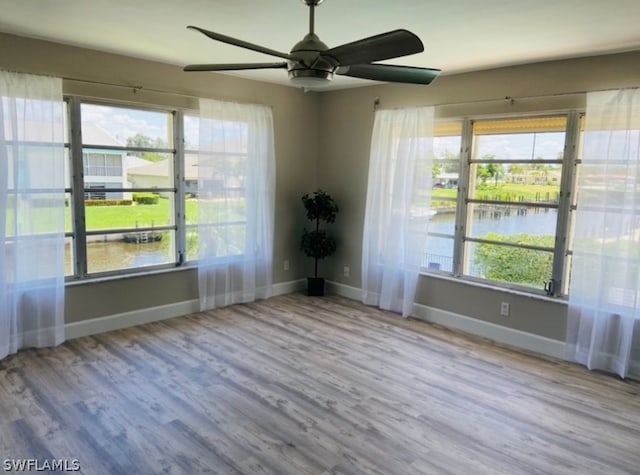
{"x": 317, "y": 243}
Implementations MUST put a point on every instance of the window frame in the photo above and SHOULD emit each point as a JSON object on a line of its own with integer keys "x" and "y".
{"x": 78, "y": 188}
{"x": 566, "y": 206}
{"x": 444, "y": 123}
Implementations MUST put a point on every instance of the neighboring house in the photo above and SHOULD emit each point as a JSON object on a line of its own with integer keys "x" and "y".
{"x": 157, "y": 174}
{"x": 133, "y": 161}
{"x": 446, "y": 180}
{"x": 191, "y": 174}
{"x": 535, "y": 177}
{"x": 103, "y": 168}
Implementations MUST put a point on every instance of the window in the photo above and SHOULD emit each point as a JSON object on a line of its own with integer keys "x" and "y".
{"x": 132, "y": 188}
{"x": 503, "y": 213}
{"x": 123, "y": 189}
{"x": 102, "y": 164}
{"x": 444, "y": 196}
{"x": 224, "y": 171}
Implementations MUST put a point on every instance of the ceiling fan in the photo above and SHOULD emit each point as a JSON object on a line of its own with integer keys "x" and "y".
{"x": 312, "y": 64}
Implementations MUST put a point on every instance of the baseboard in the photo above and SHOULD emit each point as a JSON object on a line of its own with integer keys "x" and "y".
{"x": 289, "y": 287}
{"x": 498, "y": 333}
{"x": 491, "y": 331}
{"x": 154, "y": 314}
{"x": 343, "y": 290}
{"x": 94, "y": 326}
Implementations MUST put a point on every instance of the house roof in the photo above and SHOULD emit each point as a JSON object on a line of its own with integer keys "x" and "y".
{"x": 134, "y": 161}
{"x": 93, "y": 134}
{"x": 161, "y": 168}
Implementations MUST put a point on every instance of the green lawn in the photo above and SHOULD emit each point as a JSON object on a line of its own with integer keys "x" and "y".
{"x": 505, "y": 192}
{"x": 516, "y": 192}
{"x": 119, "y": 217}
{"x": 161, "y": 214}
{"x": 444, "y": 193}
{"x": 508, "y": 192}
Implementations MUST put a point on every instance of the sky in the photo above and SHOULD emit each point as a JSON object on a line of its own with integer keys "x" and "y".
{"x": 122, "y": 123}
{"x": 508, "y": 147}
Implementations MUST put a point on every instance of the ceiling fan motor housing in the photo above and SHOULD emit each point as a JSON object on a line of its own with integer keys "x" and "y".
{"x": 311, "y": 64}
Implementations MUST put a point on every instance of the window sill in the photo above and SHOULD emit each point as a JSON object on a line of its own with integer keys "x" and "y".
{"x": 132, "y": 275}
{"x": 495, "y": 287}
{"x": 142, "y": 272}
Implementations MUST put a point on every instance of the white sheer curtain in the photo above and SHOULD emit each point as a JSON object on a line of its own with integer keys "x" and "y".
{"x": 236, "y": 200}
{"x": 603, "y": 329}
{"x": 397, "y": 213}
{"x": 32, "y": 211}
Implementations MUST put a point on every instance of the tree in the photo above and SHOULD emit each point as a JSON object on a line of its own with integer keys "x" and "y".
{"x": 143, "y": 141}
{"x": 139, "y": 140}
{"x": 436, "y": 170}
{"x": 452, "y": 164}
{"x": 517, "y": 170}
{"x": 495, "y": 170}
{"x": 483, "y": 173}
{"x": 490, "y": 170}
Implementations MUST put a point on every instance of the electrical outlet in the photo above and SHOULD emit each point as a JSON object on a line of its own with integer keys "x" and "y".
{"x": 504, "y": 309}
{"x": 286, "y": 264}
{"x": 346, "y": 271}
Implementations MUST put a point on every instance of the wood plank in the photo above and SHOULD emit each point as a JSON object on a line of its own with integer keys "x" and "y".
{"x": 312, "y": 386}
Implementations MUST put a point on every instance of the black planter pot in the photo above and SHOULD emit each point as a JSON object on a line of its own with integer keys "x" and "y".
{"x": 315, "y": 286}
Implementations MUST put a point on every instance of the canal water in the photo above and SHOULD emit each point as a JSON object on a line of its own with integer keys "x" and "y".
{"x": 116, "y": 254}
{"x": 536, "y": 222}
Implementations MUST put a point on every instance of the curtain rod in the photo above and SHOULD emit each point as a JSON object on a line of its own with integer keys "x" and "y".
{"x": 376, "y": 103}
{"x": 134, "y": 88}
{"x": 510, "y": 99}
{"x": 138, "y": 88}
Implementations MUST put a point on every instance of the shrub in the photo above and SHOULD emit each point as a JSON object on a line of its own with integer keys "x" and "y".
{"x": 146, "y": 198}
{"x": 514, "y": 264}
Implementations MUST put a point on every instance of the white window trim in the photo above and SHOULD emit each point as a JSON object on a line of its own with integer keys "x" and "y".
{"x": 565, "y": 207}
{"x": 79, "y": 233}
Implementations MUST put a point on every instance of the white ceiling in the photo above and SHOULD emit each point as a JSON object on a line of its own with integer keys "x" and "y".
{"x": 459, "y": 35}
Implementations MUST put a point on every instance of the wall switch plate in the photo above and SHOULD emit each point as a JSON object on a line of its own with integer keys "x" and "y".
{"x": 504, "y": 309}
{"x": 346, "y": 271}
{"x": 286, "y": 264}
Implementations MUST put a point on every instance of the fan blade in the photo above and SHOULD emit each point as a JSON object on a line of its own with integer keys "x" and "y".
{"x": 233, "y": 66}
{"x": 390, "y": 73}
{"x": 243, "y": 44}
{"x": 392, "y": 44}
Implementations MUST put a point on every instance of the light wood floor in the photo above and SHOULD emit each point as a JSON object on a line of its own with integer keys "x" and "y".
{"x": 299, "y": 385}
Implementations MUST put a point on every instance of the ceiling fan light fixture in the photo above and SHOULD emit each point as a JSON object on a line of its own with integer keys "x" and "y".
{"x": 310, "y": 78}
